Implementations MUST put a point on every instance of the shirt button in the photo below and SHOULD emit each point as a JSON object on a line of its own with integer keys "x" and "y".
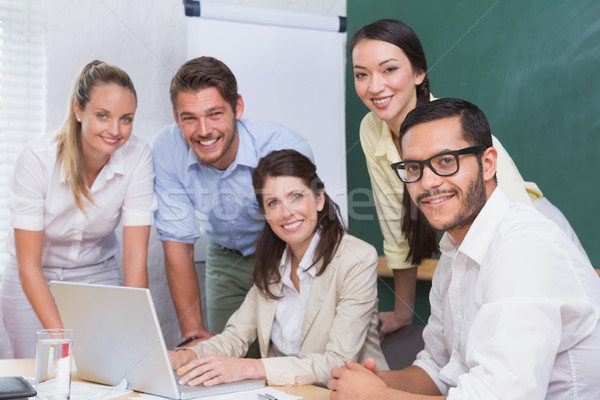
{"x": 239, "y": 237}
{"x": 233, "y": 222}
{"x": 227, "y": 199}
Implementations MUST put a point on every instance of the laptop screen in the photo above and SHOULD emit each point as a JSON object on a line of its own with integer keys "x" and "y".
{"x": 117, "y": 336}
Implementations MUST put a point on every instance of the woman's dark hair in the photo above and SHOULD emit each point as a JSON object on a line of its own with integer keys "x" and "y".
{"x": 401, "y": 35}
{"x": 269, "y": 247}
{"x": 421, "y": 237}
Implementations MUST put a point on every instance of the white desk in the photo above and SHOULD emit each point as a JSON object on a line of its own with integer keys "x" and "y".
{"x": 25, "y": 366}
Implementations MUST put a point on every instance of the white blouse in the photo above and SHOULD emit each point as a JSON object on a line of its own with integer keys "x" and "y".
{"x": 289, "y": 314}
{"x": 41, "y": 199}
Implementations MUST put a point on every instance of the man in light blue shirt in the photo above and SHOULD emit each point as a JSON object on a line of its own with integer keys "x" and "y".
{"x": 203, "y": 165}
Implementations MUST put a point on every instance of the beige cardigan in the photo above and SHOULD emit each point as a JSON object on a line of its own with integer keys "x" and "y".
{"x": 340, "y": 322}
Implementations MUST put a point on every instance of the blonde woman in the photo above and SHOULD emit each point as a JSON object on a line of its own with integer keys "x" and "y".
{"x": 69, "y": 192}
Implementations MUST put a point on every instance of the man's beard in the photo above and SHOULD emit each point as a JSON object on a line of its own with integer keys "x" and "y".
{"x": 471, "y": 206}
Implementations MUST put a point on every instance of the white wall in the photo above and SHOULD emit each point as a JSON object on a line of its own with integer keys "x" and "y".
{"x": 291, "y": 76}
{"x": 148, "y": 42}
{"x": 146, "y": 38}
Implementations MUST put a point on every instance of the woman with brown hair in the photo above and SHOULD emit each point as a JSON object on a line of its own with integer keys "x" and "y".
{"x": 68, "y": 194}
{"x": 314, "y": 300}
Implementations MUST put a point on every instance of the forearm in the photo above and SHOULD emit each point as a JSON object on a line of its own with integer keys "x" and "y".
{"x": 394, "y": 394}
{"x": 291, "y": 371}
{"x": 405, "y": 284}
{"x": 39, "y": 296}
{"x": 355, "y": 381}
{"x": 28, "y": 248}
{"x": 135, "y": 255}
{"x": 411, "y": 379}
{"x": 183, "y": 284}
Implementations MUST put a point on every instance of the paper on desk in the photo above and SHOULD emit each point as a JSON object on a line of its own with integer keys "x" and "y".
{"x": 243, "y": 395}
{"x": 92, "y": 391}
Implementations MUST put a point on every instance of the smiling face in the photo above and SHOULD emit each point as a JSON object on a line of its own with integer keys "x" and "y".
{"x": 106, "y": 120}
{"x": 385, "y": 81}
{"x": 449, "y": 203}
{"x": 291, "y": 210}
{"x": 209, "y": 125}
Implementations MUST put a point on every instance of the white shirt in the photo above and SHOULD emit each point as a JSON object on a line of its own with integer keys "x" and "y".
{"x": 514, "y": 311}
{"x": 41, "y": 199}
{"x": 289, "y": 314}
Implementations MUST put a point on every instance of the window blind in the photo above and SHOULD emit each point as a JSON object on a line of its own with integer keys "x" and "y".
{"x": 22, "y": 91}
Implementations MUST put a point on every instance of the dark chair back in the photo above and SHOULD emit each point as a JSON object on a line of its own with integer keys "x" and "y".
{"x": 400, "y": 348}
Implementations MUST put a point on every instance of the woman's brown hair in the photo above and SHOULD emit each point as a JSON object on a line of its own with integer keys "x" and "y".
{"x": 269, "y": 247}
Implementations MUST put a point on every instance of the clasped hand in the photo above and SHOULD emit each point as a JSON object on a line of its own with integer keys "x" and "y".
{"x": 355, "y": 381}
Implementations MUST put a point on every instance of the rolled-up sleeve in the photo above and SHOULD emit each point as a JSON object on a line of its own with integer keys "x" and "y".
{"x": 139, "y": 203}
{"x": 435, "y": 354}
{"x": 27, "y": 192}
{"x": 510, "y": 179}
{"x": 387, "y": 198}
{"x": 175, "y": 215}
{"x": 239, "y": 333}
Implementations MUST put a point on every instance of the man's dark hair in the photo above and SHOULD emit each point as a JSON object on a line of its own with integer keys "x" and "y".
{"x": 475, "y": 126}
{"x": 202, "y": 73}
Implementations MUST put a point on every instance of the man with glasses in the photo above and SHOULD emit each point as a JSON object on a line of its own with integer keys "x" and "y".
{"x": 515, "y": 306}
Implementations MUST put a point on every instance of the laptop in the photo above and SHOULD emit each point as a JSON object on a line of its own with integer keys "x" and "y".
{"x": 116, "y": 336}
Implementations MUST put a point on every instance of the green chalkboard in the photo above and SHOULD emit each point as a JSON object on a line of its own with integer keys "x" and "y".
{"x": 532, "y": 66}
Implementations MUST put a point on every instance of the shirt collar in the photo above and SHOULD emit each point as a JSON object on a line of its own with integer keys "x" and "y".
{"x": 482, "y": 230}
{"x": 246, "y": 154}
{"x": 114, "y": 166}
{"x": 385, "y": 144}
{"x": 116, "y": 163}
{"x": 306, "y": 264}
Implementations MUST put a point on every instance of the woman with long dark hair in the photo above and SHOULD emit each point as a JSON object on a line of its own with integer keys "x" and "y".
{"x": 390, "y": 77}
{"x": 314, "y": 300}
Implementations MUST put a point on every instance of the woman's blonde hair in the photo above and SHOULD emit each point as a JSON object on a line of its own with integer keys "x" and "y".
{"x": 69, "y": 136}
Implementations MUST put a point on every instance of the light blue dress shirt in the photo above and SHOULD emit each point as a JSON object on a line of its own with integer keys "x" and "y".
{"x": 223, "y": 202}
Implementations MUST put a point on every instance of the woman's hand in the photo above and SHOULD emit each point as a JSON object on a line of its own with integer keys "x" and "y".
{"x": 28, "y": 248}
{"x": 181, "y": 357}
{"x": 391, "y": 321}
{"x": 213, "y": 370}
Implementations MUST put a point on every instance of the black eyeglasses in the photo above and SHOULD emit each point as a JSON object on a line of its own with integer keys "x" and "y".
{"x": 443, "y": 164}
